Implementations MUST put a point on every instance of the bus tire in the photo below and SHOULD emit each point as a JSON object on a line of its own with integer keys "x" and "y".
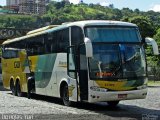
{"x": 12, "y": 87}
{"x": 29, "y": 89}
{"x": 65, "y": 95}
{"x": 112, "y": 103}
{"x": 30, "y": 86}
{"x": 18, "y": 89}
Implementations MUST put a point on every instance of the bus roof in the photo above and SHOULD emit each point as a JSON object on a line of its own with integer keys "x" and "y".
{"x": 101, "y": 22}
{"x": 82, "y": 24}
{"x": 41, "y": 29}
{"x": 93, "y": 23}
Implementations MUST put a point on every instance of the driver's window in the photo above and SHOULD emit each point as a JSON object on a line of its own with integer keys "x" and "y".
{"x": 76, "y": 35}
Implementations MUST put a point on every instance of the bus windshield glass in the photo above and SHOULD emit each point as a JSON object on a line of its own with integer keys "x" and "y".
{"x": 117, "y": 61}
{"x": 114, "y": 54}
{"x": 113, "y": 34}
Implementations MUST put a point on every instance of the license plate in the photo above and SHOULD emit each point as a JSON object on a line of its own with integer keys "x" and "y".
{"x": 122, "y": 96}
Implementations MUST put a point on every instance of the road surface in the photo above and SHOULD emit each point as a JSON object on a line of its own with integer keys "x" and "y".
{"x": 49, "y": 108}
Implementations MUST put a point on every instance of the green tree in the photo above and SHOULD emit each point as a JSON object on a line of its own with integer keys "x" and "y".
{"x": 145, "y": 25}
{"x": 154, "y": 61}
{"x": 127, "y": 12}
{"x": 157, "y": 37}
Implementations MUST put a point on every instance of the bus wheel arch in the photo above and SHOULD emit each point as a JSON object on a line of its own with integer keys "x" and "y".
{"x": 64, "y": 94}
{"x": 12, "y": 86}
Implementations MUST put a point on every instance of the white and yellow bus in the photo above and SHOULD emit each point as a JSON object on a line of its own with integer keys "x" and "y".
{"x": 89, "y": 61}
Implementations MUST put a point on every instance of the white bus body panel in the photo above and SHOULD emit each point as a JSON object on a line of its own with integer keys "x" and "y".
{"x": 113, "y": 96}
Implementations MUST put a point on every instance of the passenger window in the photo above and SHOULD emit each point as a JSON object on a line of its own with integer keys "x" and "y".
{"x": 63, "y": 40}
{"x": 36, "y": 46}
{"x": 51, "y": 44}
{"x": 10, "y": 53}
{"x": 58, "y": 41}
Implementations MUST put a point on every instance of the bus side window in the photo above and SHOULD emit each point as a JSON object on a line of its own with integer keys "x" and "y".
{"x": 29, "y": 47}
{"x": 51, "y": 42}
{"x": 57, "y": 41}
{"x": 7, "y": 54}
{"x": 40, "y": 45}
{"x": 36, "y": 46}
{"x": 10, "y": 51}
{"x": 48, "y": 43}
{"x": 76, "y": 35}
{"x": 63, "y": 40}
{"x": 21, "y": 44}
{"x": 54, "y": 42}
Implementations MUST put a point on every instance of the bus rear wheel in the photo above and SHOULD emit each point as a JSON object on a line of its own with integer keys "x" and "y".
{"x": 112, "y": 103}
{"x": 12, "y": 88}
{"x": 18, "y": 89}
{"x": 65, "y": 96}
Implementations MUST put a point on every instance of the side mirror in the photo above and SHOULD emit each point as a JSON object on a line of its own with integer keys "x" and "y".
{"x": 89, "y": 48}
{"x": 151, "y": 41}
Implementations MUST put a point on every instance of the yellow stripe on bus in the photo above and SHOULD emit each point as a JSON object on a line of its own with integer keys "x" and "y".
{"x": 114, "y": 85}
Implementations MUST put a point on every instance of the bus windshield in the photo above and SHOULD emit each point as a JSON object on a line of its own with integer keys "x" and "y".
{"x": 119, "y": 60}
{"x": 113, "y": 34}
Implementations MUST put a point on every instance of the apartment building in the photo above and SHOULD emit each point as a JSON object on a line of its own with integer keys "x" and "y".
{"x": 12, "y": 2}
{"x": 12, "y": 5}
{"x": 29, "y": 6}
{"x": 32, "y": 6}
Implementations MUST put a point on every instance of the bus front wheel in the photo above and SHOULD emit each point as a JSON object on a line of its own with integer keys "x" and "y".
{"x": 112, "y": 103}
{"x": 65, "y": 95}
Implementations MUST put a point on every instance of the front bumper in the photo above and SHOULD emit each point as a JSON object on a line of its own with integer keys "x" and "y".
{"x": 98, "y": 96}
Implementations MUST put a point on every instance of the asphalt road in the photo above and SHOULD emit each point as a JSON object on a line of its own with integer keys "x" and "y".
{"x": 49, "y": 108}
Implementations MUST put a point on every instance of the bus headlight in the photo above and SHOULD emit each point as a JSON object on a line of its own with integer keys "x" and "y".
{"x": 95, "y": 88}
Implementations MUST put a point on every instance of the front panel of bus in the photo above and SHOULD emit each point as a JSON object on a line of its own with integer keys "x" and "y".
{"x": 117, "y": 69}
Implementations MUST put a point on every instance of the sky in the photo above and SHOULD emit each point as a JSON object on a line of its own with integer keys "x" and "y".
{"x": 143, "y": 5}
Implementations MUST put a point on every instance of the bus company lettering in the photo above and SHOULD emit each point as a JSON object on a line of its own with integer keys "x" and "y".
{"x": 104, "y": 74}
{"x": 62, "y": 64}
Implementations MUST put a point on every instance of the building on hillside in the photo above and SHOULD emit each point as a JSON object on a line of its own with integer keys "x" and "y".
{"x": 32, "y": 6}
{"x": 12, "y": 2}
{"x": 28, "y": 6}
{"x": 13, "y": 5}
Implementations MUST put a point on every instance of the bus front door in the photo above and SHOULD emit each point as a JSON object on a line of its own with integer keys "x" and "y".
{"x": 77, "y": 72}
{"x": 72, "y": 72}
{"x": 83, "y": 72}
